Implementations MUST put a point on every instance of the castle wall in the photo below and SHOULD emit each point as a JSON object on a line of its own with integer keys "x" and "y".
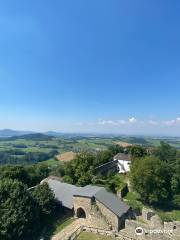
{"x": 111, "y": 218}
{"x": 84, "y": 203}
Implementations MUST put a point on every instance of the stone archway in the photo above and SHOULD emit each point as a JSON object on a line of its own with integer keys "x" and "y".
{"x": 81, "y": 213}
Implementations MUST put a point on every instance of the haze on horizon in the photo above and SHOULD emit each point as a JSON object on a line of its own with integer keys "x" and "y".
{"x": 90, "y": 66}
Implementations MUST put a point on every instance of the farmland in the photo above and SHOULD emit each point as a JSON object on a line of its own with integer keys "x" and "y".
{"x": 35, "y": 148}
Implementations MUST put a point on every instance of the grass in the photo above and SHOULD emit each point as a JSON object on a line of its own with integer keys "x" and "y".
{"x": 169, "y": 216}
{"x": 88, "y": 236}
{"x": 55, "y": 224}
{"x": 132, "y": 196}
{"x": 61, "y": 224}
{"x": 51, "y": 162}
{"x": 132, "y": 199}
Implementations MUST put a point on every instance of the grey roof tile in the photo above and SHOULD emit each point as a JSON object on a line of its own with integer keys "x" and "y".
{"x": 112, "y": 202}
{"x": 63, "y": 192}
{"x": 87, "y": 191}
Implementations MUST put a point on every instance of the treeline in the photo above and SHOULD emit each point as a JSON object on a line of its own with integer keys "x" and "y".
{"x": 157, "y": 177}
{"x": 24, "y": 212}
{"x": 31, "y": 136}
{"x": 17, "y": 156}
{"x": 81, "y": 171}
{"x": 28, "y": 175}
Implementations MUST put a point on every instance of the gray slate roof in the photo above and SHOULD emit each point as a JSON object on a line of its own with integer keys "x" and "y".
{"x": 112, "y": 202}
{"x": 122, "y": 156}
{"x": 63, "y": 192}
{"x": 88, "y": 191}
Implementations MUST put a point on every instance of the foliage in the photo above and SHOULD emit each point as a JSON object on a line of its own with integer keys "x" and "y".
{"x": 115, "y": 182}
{"x": 175, "y": 181}
{"x": 150, "y": 178}
{"x": 44, "y": 198}
{"x": 137, "y": 151}
{"x": 17, "y": 156}
{"x": 17, "y": 211}
{"x": 166, "y": 152}
{"x": 15, "y": 173}
{"x": 169, "y": 216}
{"x": 176, "y": 201}
{"x": 114, "y": 149}
{"x": 37, "y": 173}
{"x": 30, "y": 175}
{"x": 157, "y": 177}
{"x": 133, "y": 200}
{"x": 68, "y": 179}
{"x": 80, "y": 171}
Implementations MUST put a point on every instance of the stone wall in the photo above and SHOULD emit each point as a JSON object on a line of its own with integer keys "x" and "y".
{"x": 84, "y": 203}
{"x": 111, "y": 218}
{"x": 173, "y": 227}
{"x": 147, "y": 213}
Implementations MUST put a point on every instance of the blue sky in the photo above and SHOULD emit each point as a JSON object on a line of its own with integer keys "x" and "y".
{"x": 90, "y": 66}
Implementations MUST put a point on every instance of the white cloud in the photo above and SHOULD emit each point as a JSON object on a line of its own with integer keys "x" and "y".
{"x": 121, "y": 122}
{"x": 111, "y": 122}
{"x": 172, "y": 122}
{"x": 152, "y": 122}
{"x": 139, "y": 123}
{"x": 132, "y": 120}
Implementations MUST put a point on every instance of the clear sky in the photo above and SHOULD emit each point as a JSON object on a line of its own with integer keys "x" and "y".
{"x": 90, "y": 66}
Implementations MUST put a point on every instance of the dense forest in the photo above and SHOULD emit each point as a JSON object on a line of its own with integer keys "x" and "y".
{"x": 156, "y": 177}
{"x": 24, "y": 212}
{"x": 16, "y": 156}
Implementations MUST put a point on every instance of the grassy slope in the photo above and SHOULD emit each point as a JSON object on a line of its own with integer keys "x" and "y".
{"x": 132, "y": 198}
{"x": 55, "y": 224}
{"x": 88, "y": 236}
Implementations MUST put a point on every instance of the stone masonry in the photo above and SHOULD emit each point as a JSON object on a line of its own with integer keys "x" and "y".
{"x": 84, "y": 203}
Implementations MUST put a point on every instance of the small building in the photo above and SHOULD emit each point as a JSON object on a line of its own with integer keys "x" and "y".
{"x": 124, "y": 162}
{"x": 106, "y": 167}
{"x": 84, "y": 202}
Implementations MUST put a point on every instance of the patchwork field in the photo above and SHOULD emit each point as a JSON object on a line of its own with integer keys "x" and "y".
{"x": 123, "y": 144}
{"x": 66, "y": 157}
{"x": 38, "y": 148}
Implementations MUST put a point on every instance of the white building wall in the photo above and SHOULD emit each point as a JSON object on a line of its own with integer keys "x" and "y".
{"x": 124, "y": 166}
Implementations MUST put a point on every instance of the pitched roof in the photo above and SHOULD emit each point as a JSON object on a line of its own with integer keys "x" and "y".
{"x": 88, "y": 191}
{"x": 112, "y": 202}
{"x": 107, "y": 165}
{"x": 122, "y": 156}
{"x": 63, "y": 192}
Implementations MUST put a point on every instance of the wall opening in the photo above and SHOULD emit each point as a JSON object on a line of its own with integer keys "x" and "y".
{"x": 81, "y": 213}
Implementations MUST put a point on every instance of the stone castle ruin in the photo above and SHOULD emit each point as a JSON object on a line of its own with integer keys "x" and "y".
{"x": 89, "y": 202}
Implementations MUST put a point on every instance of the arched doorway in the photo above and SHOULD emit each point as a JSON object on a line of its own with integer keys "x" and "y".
{"x": 81, "y": 213}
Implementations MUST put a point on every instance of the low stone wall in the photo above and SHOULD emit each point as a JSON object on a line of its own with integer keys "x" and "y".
{"x": 118, "y": 236}
{"x": 147, "y": 213}
{"x": 173, "y": 227}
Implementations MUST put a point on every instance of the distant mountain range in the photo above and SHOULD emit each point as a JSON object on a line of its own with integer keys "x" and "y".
{"x": 6, "y": 133}
{"x": 13, "y": 133}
